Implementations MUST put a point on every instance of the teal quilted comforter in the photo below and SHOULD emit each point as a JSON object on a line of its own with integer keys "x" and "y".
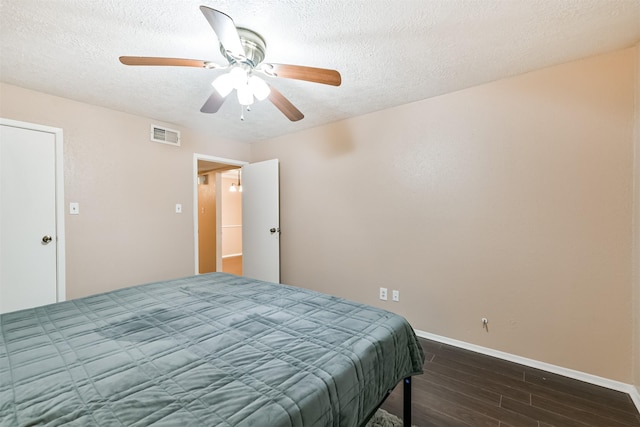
{"x": 208, "y": 350}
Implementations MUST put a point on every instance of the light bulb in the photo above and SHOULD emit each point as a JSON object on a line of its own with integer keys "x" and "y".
{"x": 245, "y": 95}
{"x": 259, "y": 87}
{"x": 232, "y": 188}
{"x": 223, "y": 84}
{"x": 240, "y": 188}
{"x": 238, "y": 76}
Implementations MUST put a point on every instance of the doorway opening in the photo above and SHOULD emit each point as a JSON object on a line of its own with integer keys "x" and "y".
{"x": 218, "y": 215}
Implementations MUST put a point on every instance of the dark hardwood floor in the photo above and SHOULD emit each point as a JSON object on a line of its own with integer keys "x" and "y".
{"x": 463, "y": 388}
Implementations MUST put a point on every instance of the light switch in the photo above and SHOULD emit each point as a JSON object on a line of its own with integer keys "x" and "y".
{"x": 74, "y": 208}
{"x": 178, "y": 208}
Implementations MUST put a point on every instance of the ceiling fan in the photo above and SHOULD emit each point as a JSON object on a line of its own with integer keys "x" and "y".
{"x": 244, "y": 50}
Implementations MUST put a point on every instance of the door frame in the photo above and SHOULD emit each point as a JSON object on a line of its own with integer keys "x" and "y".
{"x": 194, "y": 180}
{"x": 61, "y": 286}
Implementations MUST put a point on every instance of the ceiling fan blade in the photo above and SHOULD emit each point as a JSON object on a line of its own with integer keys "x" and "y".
{"x": 213, "y": 104}
{"x": 225, "y": 29}
{"x": 284, "y": 105}
{"x": 177, "y": 62}
{"x": 299, "y": 72}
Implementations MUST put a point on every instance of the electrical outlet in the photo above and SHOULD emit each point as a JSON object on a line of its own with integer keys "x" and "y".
{"x": 383, "y": 294}
{"x": 178, "y": 208}
{"x": 395, "y": 295}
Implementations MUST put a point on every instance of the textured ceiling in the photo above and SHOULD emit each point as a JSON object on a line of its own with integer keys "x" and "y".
{"x": 389, "y": 52}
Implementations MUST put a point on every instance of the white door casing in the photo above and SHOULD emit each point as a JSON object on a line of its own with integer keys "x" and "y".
{"x": 261, "y": 221}
{"x": 31, "y": 212}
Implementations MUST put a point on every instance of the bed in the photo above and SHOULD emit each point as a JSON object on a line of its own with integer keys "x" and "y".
{"x": 207, "y": 350}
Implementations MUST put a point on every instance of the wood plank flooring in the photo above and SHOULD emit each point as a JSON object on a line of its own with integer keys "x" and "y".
{"x": 463, "y": 388}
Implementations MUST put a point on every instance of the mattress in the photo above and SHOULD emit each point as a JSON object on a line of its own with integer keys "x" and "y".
{"x": 208, "y": 350}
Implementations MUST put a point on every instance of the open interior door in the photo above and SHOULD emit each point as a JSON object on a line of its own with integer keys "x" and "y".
{"x": 261, "y": 221}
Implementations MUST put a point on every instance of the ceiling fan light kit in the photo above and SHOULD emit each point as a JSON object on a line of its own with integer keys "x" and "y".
{"x": 244, "y": 50}
{"x": 247, "y": 85}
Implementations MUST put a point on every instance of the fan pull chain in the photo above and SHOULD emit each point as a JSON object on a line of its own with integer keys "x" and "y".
{"x": 242, "y": 111}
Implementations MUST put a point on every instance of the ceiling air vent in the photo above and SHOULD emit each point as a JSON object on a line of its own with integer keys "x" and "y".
{"x": 165, "y": 135}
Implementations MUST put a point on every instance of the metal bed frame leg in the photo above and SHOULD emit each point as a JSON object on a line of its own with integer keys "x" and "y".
{"x": 406, "y": 406}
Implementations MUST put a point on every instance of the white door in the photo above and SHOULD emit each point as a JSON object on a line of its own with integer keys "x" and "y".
{"x": 261, "y": 221}
{"x": 28, "y": 241}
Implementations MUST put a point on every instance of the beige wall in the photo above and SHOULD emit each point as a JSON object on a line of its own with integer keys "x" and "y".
{"x": 511, "y": 200}
{"x": 127, "y": 232}
{"x": 231, "y": 218}
{"x": 636, "y": 231}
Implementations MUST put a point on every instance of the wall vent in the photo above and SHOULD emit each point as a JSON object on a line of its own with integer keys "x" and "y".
{"x": 165, "y": 135}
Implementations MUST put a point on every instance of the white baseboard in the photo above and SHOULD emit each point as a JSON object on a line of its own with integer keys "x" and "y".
{"x": 634, "y": 392}
{"x": 635, "y": 396}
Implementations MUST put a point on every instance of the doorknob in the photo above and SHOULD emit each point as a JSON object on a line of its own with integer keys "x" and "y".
{"x": 274, "y": 230}
{"x": 46, "y": 240}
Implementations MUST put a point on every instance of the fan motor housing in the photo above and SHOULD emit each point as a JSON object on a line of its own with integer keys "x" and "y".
{"x": 253, "y": 44}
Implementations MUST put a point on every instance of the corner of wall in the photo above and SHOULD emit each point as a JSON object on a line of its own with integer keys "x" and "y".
{"x": 636, "y": 229}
